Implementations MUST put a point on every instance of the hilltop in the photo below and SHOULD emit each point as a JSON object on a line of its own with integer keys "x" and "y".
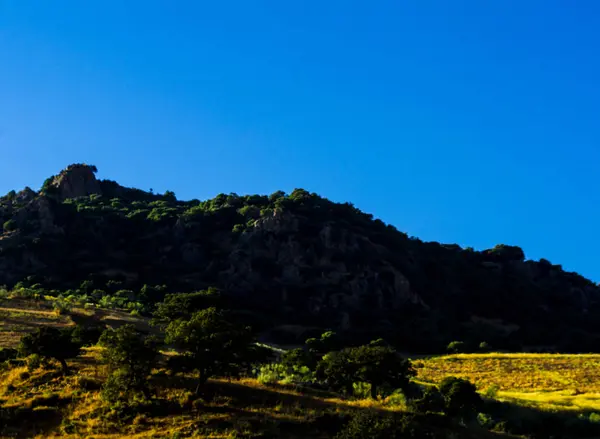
{"x": 295, "y": 264}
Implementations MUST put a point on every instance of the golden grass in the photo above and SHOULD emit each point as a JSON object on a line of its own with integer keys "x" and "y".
{"x": 226, "y": 408}
{"x": 19, "y": 317}
{"x": 546, "y": 381}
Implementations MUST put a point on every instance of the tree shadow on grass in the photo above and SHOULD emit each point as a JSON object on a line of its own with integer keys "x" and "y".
{"x": 526, "y": 420}
{"x": 39, "y": 415}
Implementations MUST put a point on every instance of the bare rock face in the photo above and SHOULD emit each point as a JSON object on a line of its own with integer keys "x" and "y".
{"x": 274, "y": 253}
{"x": 77, "y": 181}
{"x": 40, "y": 213}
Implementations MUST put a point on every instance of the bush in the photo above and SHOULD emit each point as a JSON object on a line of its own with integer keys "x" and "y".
{"x": 10, "y": 225}
{"x": 492, "y": 391}
{"x": 460, "y": 397}
{"x": 594, "y": 418}
{"x": 485, "y": 421}
{"x": 396, "y": 399}
{"x": 33, "y": 362}
{"x": 430, "y": 402}
{"x": 61, "y": 307}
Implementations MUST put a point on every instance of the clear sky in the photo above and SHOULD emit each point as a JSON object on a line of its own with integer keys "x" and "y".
{"x": 470, "y": 122}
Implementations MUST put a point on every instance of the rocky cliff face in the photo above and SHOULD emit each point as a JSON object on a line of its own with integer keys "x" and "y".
{"x": 76, "y": 181}
{"x": 311, "y": 274}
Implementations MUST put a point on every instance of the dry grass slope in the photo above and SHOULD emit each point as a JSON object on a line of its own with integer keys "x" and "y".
{"x": 546, "y": 381}
{"x": 71, "y": 407}
{"x": 19, "y": 317}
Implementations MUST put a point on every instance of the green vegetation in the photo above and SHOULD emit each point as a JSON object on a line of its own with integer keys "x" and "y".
{"x": 51, "y": 343}
{"x": 210, "y": 342}
{"x": 265, "y": 316}
{"x": 378, "y": 366}
{"x": 292, "y": 260}
{"x": 126, "y": 384}
{"x": 130, "y": 358}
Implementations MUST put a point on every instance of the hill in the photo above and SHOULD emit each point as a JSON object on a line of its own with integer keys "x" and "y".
{"x": 296, "y": 264}
{"x": 553, "y": 382}
{"x": 40, "y": 403}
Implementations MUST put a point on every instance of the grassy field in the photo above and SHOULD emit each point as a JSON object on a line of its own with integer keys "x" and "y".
{"x": 70, "y": 407}
{"x": 19, "y": 316}
{"x": 546, "y": 381}
{"x": 42, "y": 403}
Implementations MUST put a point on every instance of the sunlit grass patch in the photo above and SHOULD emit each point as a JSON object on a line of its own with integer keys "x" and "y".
{"x": 546, "y": 381}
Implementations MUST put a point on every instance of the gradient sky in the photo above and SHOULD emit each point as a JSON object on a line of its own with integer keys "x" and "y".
{"x": 470, "y": 122}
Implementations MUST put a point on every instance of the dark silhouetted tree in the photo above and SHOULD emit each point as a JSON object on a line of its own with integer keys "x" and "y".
{"x": 52, "y": 343}
{"x": 130, "y": 357}
{"x": 460, "y": 397}
{"x": 375, "y": 364}
{"x": 211, "y": 343}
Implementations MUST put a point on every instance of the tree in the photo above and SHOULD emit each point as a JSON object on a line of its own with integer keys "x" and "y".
{"x": 485, "y": 346}
{"x": 51, "y": 342}
{"x": 130, "y": 358}
{"x": 297, "y": 358}
{"x": 457, "y": 347}
{"x": 170, "y": 196}
{"x": 507, "y": 252}
{"x": 430, "y": 401}
{"x": 337, "y": 370}
{"x": 460, "y": 397}
{"x": 375, "y": 364}
{"x": 183, "y": 305}
{"x": 211, "y": 343}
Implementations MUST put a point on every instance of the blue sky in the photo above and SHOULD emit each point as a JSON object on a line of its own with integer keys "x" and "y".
{"x": 464, "y": 122}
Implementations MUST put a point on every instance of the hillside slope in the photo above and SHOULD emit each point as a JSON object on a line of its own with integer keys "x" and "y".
{"x": 296, "y": 261}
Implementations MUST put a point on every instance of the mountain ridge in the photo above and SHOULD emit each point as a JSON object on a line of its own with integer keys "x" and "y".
{"x": 294, "y": 259}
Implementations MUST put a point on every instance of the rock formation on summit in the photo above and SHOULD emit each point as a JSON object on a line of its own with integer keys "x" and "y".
{"x": 78, "y": 180}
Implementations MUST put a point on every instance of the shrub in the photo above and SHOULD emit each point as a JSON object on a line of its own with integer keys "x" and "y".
{"x": 61, "y": 307}
{"x": 485, "y": 421}
{"x": 430, "y": 402}
{"x": 492, "y": 391}
{"x": 270, "y": 373}
{"x": 298, "y": 358}
{"x": 10, "y": 225}
{"x": 34, "y": 361}
{"x": 396, "y": 399}
{"x": 460, "y": 397}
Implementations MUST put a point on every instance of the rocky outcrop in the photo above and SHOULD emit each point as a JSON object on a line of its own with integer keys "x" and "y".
{"x": 76, "y": 181}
